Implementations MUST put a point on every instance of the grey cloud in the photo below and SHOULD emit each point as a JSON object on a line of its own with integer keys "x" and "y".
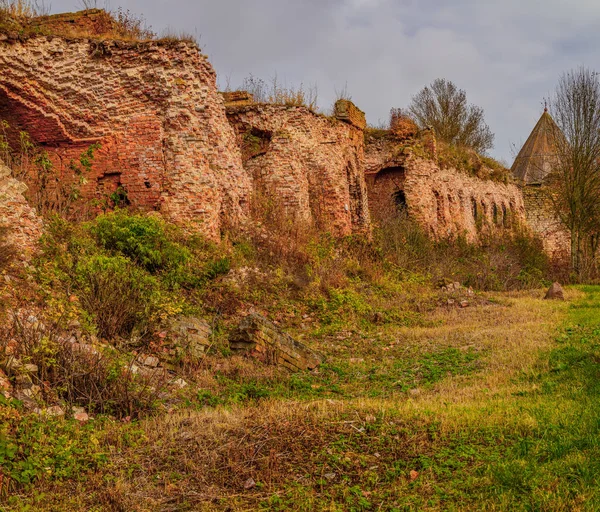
{"x": 507, "y": 55}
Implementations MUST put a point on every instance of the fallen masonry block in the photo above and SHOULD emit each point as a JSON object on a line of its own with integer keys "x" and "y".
{"x": 193, "y": 335}
{"x": 261, "y": 338}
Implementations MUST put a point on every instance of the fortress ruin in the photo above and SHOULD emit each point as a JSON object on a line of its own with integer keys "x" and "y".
{"x": 170, "y": 142}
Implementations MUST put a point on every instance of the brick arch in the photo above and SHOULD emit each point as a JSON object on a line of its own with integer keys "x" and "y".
{"x": 385, "y": 186}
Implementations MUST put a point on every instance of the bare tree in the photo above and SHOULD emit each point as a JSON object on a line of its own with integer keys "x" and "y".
{"x": 574, "y": 185}
{"x": 444, "y": 107}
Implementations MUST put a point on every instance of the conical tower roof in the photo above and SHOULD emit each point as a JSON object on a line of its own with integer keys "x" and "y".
{"x": 539, "y": 155}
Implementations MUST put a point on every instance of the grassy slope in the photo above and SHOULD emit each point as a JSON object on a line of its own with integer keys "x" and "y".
{"x": 490, "y": 408}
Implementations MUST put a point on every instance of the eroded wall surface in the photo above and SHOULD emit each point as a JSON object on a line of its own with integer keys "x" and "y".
{"x": 450, "y": 203}
{"x": 311, "y": 164}
{"x": 446, "y": 202}
{"x": 24, "y": 226}
{"x": 153, "y": 107}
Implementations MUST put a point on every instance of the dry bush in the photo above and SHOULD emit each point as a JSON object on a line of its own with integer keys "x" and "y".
{"x": 7, "y": 250}
{"x": 277, "y": 94}
{"x": 507, "y": 260}
{"x": 132, "y": 26}
{"x": 100, "y": 379}
{"x": 171, "y": 34}
{"x": 22, "y": 9}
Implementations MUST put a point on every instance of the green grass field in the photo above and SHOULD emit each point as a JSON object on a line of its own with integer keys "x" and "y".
{"x": 493, "y": 407}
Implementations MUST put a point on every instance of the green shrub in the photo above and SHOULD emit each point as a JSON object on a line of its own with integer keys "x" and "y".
{"x": 118, "y": 295}
{"x": 145, "y": 240}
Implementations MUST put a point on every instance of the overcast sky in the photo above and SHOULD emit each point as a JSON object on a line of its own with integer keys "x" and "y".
{"x": 507, "y": 54}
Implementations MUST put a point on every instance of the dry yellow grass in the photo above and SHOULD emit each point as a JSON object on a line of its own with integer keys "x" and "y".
{"x": 280, "y": 454}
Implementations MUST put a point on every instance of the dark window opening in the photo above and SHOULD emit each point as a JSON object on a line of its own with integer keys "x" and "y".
{"x": 439, "y": 204}
{"x": 148, "y": 184}
{"x": 495, "y": 213}
{"x": 474, "y": 209}
{"x": 505, "y": 217}
{"x": 399, "y": 198}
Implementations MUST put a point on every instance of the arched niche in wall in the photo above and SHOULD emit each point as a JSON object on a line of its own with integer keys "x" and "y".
{"x": 387, "y": 194}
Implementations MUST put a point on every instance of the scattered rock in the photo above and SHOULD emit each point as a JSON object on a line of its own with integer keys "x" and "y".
{"x": 329, "y": 476}
{"x": 150, "y": 361}
{"x": 192, "y": 334}
{"x": 555, "y": 292}
{"x": 5, "y": 386}
{"x": 464, "y": 304}
{"x": 414, "y": 475}
{"x": 23, "y": 381}
{"x": 54, "y": 411}
{"x": 29, "y": 368}
{"x": 179, "y": 383}
{"x": 249, "y": 484}
{"x": 260, "y": 337}
{"x": 82, "y": 417}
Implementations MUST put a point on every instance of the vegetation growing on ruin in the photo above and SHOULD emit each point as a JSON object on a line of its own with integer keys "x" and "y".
{"x": 276, "y": 92}
{"x": 29, "y": 18}
{"x": 425, "y": 405}
{"x": 463, "y": 159}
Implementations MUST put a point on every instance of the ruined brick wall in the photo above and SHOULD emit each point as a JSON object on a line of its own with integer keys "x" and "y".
{"x": 153, "y": 107}
{"x": 450, "y": 203}
{"x": 312, "y": 164}
{"x": 541, "y": 219}
{"x": 25, "y": 228}
{"x": 446, "y": 202}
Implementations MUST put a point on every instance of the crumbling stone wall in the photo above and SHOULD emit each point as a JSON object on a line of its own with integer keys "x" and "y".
{"x": 153, "y": 107}
{"x": 543, "y": 221}
{"x": 311, "y": 164}
{"x": 24, "y": 226}
{"x": 446, "y": 202}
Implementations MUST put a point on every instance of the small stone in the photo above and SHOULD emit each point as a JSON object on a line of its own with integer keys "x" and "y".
{"x": 413, "y": 475}
{"x": 555, "y": 292}
{"x": 82, "y": 417}
{"x": 451, "y": 302}
{"x": 249, "y": 484}
{"x": 180, "y": 383}
{"x": 329, "y": 476}
{"x": 150, "y": 361}
{"x": 457, "y": 285}
{"x": 54, "y": 411}
{"x": 23, "y": 381}
{"x": 29, "y": 368}
{"x": 4, "y": 382}
{"x": 464, "y": 304}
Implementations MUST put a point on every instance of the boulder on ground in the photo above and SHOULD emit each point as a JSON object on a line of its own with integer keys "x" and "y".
{"x": 555, "y": 292}
{"x": 260, "y": 337}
